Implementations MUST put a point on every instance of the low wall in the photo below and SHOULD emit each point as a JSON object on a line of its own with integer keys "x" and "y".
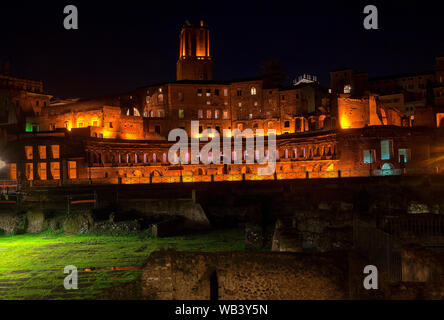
{"x": 191, "y": 211}
{"x": 243, "y": 275}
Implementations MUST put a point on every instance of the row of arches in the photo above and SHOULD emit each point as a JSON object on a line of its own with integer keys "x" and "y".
{"x": 131, "y": 157}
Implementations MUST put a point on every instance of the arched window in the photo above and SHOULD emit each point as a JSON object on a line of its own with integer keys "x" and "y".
{"x": 253, "y": 91}
{"x": 160, "y": 98}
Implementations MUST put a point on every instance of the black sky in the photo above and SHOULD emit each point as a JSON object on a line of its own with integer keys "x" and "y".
{"x": 127, "y": 44}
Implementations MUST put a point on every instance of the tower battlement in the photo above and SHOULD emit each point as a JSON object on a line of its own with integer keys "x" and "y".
{"x": 195, "y": 62}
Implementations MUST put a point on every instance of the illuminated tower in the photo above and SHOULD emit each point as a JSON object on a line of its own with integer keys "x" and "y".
{"x": 194, "y": 62}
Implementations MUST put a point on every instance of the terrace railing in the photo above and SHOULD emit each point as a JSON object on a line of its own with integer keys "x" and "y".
{"x": 186, "y": 178}
{"x": 428, "y": 229}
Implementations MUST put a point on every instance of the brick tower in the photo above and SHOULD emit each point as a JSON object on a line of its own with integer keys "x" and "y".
{"x": 194, "y": 62}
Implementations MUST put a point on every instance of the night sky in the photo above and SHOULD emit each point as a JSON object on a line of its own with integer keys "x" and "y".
{"x": 122, "y": 45}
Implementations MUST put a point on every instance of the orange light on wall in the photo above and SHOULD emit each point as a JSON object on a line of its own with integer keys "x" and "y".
{"x": 345, "y": 122}
{"x": 131, "y": 136}
{"x": 108, "y": 134}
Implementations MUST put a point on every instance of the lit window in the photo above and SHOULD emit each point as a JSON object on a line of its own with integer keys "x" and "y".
{"x": 253, "y": 91}
{"x": 13, "y": 171}
{"x": 95, "y": 123}
{"x": 386, "y": 149}
{"x": 72, "y": 170}
{"x": 200, "y": 113}
{"x": 181, "y": 113}
{"x": 208, "y": 114}
{"x": 29, "y": 171}
{"x": 42, "y": 171}
{"x": 55, "y": 149}
{"x": 216, "y": 114}
{"x": 403, "y": 155}
{"x": 28, "y": 152}
{"x": 80, "y": 125}
{"x": 369, "y": 156}
{"x": 225, "y": 92}
{"x": 55, "y": 170}
{"x": 42, "y": 152}
{"x": 347, "y": 88}
{"x": 225, "y": 114}
{"x": 160, "y": 98}
{"x": 208, "y": 92}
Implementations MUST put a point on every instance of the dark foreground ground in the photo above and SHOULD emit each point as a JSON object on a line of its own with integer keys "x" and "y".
{"x": 32, "y": 265}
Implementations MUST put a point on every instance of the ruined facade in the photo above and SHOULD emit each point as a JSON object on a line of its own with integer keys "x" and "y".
{"x": 124, "y": 138}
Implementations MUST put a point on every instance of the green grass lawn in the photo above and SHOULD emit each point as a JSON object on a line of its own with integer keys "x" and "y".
{"x": 31, "y": 265}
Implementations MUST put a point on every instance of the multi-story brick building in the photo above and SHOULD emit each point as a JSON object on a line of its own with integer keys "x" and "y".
{"x": 124, "y": 138}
